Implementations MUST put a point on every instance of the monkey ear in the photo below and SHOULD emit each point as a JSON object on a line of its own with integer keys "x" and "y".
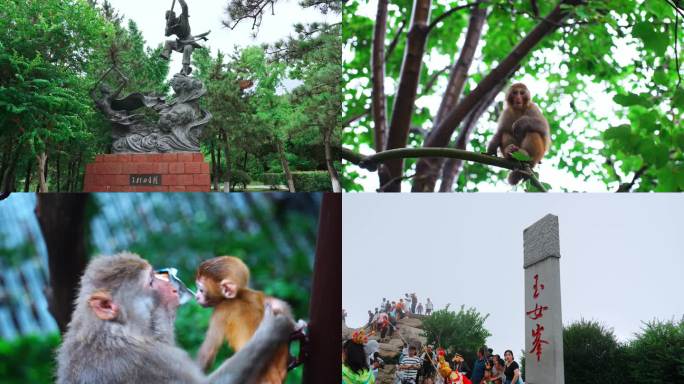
{"x": 102, "y": 305}
{"x": 228, "y": 289}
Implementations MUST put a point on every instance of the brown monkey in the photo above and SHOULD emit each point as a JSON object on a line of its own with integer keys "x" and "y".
{"x": 522, "y": 127}
{"x": 222, "y": 283}
{"x": 121, "y": 331}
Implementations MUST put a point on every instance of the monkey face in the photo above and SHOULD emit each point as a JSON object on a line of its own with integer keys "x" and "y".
{"x": 518, "y": 97}
{"x": 202, "y": 296}
{"x": 166, "y": 291}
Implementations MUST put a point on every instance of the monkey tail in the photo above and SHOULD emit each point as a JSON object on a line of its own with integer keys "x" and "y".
{"x": 514, "y": 177}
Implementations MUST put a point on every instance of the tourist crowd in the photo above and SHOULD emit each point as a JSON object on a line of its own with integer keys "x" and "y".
{"x": 361, "y": 360}
{"x": 383, "y": 320}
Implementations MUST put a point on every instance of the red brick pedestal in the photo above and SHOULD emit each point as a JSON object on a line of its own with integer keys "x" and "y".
{"x": 158, "y": 172}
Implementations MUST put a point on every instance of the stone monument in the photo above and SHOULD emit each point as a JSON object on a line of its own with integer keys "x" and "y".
{"x": 155, "y": 142}
{"x": 543, "y": 322}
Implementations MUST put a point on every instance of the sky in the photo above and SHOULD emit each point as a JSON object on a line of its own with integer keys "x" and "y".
{"x": 208, "y": 14}
{"x": 597, "y": 99}
{"x": 622, "y": 256}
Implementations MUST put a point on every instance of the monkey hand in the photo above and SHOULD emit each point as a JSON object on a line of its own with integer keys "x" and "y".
{"x": 510, "y": 149}
{"x": 278, "y": 313}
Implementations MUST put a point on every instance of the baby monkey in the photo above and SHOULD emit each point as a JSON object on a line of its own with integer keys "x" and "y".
{"x": 222, "y": 283}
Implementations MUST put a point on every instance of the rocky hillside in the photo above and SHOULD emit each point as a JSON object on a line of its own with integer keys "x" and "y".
{"x": 409, "y": 329}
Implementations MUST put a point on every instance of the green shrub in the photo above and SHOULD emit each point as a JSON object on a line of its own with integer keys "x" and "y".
{"x": 657, "y": 353}
{"x": 28, "y": 359}
{"x": 239, "y": 178}
{"x": 274, "y": 180}
{"x": 592, "y": 354}
{"x": 304, "y": 181}
{"x": 312, "y": 181}
{"x": 463, "y": 331}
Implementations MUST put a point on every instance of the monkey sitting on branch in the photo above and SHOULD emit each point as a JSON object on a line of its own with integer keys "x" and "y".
{"x": 222, "y": 283}
{"x": 121, "y": 332}
{"x": 522, "y": 128}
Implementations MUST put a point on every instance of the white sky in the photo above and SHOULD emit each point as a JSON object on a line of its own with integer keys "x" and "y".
{"x": 597, "y": 98}
{"x": 208, "y": 14}
{"x": 622, "y": 256}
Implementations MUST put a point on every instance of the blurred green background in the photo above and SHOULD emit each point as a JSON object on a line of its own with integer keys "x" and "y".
{"x": 274, "y": 233}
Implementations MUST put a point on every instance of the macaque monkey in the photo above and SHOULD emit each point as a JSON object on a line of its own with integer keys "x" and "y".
{"x": 222, "y": 283}
{"x": 121, "y": 331}
{"x": 522, "y": 127}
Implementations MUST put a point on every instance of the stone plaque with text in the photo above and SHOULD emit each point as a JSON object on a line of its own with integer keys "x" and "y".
{"x": 145, "y": 180}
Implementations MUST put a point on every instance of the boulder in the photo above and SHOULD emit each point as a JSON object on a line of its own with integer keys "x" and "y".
{"x": 390, "y": 350}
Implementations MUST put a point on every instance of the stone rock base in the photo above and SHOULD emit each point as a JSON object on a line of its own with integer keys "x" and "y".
{"x": 157, "y": 172}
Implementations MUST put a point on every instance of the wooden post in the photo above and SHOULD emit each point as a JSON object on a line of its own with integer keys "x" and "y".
{"x": 324, "y": 364}
{"x": 62, "y": 220}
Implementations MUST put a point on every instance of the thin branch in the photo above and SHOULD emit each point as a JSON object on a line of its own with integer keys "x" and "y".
{"x": 394, "y": 180}
{"x": 626, "y": 187}
{"x": 449, "y": 13}
{"x": 452, "y": 167}
{"x": 395, "y": 40}
{"x": 352, "y": 119}
{"x": 459, "y": 72}
{"x": 433, "y": 80}
{"x": 677, "y": 8}
{"x": 535, "y": 7}
{"x": 371, "y": 162}
{"x": 676, "y": 47}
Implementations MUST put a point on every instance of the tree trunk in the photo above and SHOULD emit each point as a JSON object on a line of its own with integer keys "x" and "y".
{"x": 390, "y": 174}
{"x": 378, "y": 106}
{"x": 334, "y": 176}
{"x": 42, "y": 172}
{"x": 213, "y": 165}
{"x": 76, "y": 174}
{"x": 458, "y": 76}
{"x": 29, "y": 172}
{"x": 58, "y": 157}
{"x": 63, "y": 223}
{"x": 323, "y": 364}
{"x": 229, "y": 168}
{"x": 10, "y": 157}
{"x": 285, "y": 165}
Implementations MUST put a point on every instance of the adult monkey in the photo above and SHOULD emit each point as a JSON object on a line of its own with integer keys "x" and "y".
{"x": 523, "y": 128}
{"x": 121, "y": 331}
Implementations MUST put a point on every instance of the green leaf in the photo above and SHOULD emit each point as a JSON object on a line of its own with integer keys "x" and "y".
{"x": 653, "y": 39}
{"x": 633, "y": 99}
{"x": 621, "y": 132}
{"x": 678, "y": 99}
{"x": 658, "y": 155}
{"x": 518, "y": 155}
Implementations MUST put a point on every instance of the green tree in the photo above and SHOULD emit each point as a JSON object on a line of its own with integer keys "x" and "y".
{"x": 592, "y": 354}
{"x": 656, "y": 355}
{"x": 463, "y": 331}
{"x": 428, "y": 74}
{"x": 52, "y": 53}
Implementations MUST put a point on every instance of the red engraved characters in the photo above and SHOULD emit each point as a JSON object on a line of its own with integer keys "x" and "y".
{"x": 536, "y": 286}
{"x": 537, "y": 343}
{"x": 535, "y": 314}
